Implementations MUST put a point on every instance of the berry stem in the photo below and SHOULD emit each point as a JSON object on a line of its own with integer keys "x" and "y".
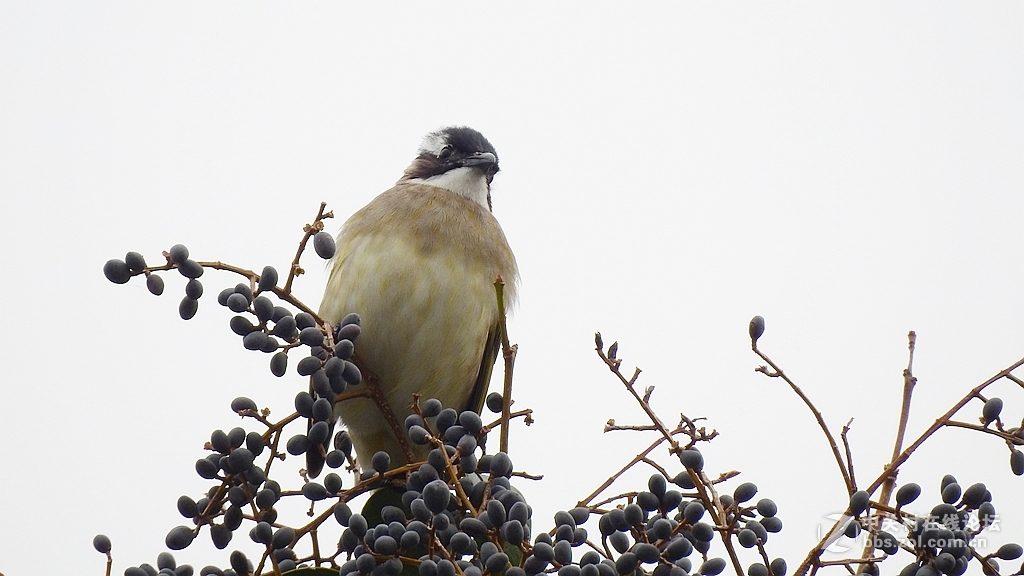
{"x": 309, "y": 229}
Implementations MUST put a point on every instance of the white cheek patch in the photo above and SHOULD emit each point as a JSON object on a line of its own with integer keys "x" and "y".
{"x": 467, "y": 182}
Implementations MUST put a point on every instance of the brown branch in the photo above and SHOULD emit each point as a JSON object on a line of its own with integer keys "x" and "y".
{"x": 817, "y": 415}
{"x": 939, "y": 422}
{"x": 1015, "y": 380}
{"x": 812, "y": 560}
{"x": 611, "y": 426}
{"x": 508, "y": 353}
{"x": 723, "y": 476}
{"x": 450, "y": 469}
{"x": 611, "y": 479}
{"x": 526, "y": 414}
{"x": 309, "y": 229}
{"x": 764, "y": 557}
{"x": 613, "y": 365}
{"x": 705, "y": 488}
{"x": 713, "y": 504}
{"x": 596, "y": 506}
{"x": 849, "y": 454}
{"x": 848, "y": 561}
{"x": 657, "y": 467}
{"x": 377, "y": 394}
{"x": 909, "y": 381}
{"x": 1009, "y": 438}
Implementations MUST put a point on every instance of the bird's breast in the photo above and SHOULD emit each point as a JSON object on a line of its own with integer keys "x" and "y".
{"x": 419, "y": 264}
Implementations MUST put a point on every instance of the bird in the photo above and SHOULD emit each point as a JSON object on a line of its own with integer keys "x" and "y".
{"x": 419, "y": 265}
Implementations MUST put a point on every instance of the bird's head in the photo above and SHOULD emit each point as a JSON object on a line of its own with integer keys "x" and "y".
{"x": 458, "y": 159}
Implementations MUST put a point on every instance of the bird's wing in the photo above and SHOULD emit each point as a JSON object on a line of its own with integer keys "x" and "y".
{"x": 483, "y": 377}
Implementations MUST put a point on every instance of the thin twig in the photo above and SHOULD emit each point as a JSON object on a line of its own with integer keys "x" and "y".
{"x": 723, "y": 476}
{"x": 526, "y": 414}
{"x": 377, "y": 395}
{"x": 657, "y": 467}
{"x": 909, "y": 381}
{"x": 1010, "y": 438}
{"x": 939, "y": 422}
{"x": 812, "y": 560}
{"x": 597, "y": 506}
{"x": 764, "y": 557}
{"x": 611, "y": 479}
{"x": 508, "y": 353}
{"x": 817, "y": 415}
{"x": 705, "y": 488}
{"x": 613, "y": 365}
{"x": 611, "y": 426}
{"x": 848, "y": 561}
{"x": 849, "y": 454}
{"x": 713, "y": 504}
{"x": 309, "y": 229}
{"x": 1015, "y": 380}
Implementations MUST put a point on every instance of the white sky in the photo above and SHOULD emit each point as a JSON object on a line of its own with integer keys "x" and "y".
{"x": 850, "y": 171}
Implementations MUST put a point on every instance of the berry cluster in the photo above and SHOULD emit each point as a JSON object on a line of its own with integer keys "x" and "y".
{"x": 453, "y": 519}
{"x": 447, "y": 503}
{"x": 941, "y": 540}
{"x": 457, "y": 510}
{"x": 659, "y": 529}
{"x": 663, "y": 529}
{"x": 166, "y": 565}
{"x": 456, "y": 513}
{"x": 262, "y": 324}
{"x": 121, "y": 271}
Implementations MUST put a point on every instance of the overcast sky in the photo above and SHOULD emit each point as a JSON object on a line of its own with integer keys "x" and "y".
{"x": 850, "y": 171}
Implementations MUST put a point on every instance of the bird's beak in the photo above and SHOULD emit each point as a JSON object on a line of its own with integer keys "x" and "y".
{"x": 479, "y": 159}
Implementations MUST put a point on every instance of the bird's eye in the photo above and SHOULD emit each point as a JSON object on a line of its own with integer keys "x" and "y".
{"x": 445, "y": 153}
